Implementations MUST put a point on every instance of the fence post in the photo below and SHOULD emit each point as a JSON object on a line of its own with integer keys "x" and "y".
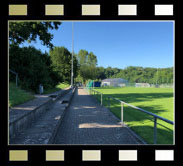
{"x": 101, "y": 98}
{"x": 155, "y": 130}
{"x": 16, "y": 76}
{"x": 109, "y": 102}
{"x": 122, "y": 112}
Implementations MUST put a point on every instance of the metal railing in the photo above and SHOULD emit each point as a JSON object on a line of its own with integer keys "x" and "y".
{"x": 15, "y": 73}
{"x": 96, "y": 92}
{"x": 137, "y": 108}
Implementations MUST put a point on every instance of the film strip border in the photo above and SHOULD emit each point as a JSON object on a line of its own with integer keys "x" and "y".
{"x": 91, "y": 10}
{"x": 129, "y": 10}
{"x": 91, "y": 155}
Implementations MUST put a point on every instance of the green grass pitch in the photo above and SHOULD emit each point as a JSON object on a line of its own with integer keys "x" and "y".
{"x": 159, "y": 101}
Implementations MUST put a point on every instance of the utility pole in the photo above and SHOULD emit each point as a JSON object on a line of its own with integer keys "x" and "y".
{"x": 72, "y": 74}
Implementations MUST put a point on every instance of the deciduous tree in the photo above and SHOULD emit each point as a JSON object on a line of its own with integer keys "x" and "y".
{"x": 20, "y": 31}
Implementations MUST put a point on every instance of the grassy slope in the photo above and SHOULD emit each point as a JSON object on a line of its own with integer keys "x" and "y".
{"x": 17, "y": 95}
{"x": 156, "y": 100}
{"x": 63, "y": 85}
{"x": 57, "y": 88}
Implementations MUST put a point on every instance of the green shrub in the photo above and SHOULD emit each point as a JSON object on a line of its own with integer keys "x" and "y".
{"x": 33, "y": 68}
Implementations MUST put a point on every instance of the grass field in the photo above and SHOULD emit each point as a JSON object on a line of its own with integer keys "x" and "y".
{"x": 17, "y": 95}
{"x": 156, "y": 100}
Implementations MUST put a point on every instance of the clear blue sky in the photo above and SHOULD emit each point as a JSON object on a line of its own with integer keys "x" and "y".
{"x": 119, "y": 44}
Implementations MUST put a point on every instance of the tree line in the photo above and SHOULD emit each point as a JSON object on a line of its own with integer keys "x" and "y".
{"x": 137, "y": 74}
{"x": 35, "y": 67}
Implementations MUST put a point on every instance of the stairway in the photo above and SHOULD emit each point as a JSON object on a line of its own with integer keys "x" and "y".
{"x": 43, "y": 129}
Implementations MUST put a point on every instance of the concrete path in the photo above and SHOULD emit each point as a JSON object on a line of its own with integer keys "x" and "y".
{"x": 86, "y": 122}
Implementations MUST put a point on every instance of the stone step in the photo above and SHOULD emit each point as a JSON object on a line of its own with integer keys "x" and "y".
{"x": 44, "y": 129}
{"x": 22, "y": 116}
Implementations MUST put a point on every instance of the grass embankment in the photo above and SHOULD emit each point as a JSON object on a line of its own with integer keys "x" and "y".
{"x": 17, "y": 95}
{"x": 156, "y": 100}
{"x": 57, "y": 88}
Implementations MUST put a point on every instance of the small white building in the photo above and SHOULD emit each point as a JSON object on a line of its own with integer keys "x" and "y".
{"x": 116, "y": 82}
{"x": 142, "y": 85}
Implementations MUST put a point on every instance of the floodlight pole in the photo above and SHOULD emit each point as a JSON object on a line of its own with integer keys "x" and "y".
{"x": 72, "y": 74}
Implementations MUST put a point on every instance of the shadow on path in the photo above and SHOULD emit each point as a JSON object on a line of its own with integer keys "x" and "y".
{"x": 86, "y": 122}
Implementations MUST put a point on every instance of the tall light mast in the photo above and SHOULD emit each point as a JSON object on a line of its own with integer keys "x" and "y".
{"x": 72, "y": 74}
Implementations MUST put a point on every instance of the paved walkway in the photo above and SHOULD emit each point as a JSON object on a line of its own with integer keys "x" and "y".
{"x": 86, "y": 122}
